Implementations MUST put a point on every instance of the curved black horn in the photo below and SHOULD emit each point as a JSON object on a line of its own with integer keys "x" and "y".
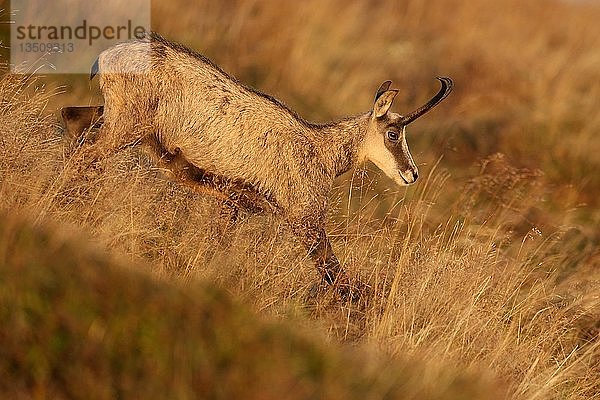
{"x": 441, "y": 95}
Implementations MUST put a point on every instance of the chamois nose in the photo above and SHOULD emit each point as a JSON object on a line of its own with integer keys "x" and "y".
{"x": 409, "y": 176}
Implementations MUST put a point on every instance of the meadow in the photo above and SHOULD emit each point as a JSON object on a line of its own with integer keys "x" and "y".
{"x": 484, "y": 275}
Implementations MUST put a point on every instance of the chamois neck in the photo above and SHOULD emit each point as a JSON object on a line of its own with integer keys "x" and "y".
{"x": 341, "y": 142}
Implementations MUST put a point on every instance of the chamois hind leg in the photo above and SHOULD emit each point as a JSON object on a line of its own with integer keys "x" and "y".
{"x": 181, "y": 170}
{"x": 81, "y": 123}
{"x": 86, "y": 137}
{"x": 126, "y": 122}
{"x": 112, "y": 137}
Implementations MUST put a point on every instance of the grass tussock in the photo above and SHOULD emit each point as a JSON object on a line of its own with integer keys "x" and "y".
{"x": 483, "y": 275}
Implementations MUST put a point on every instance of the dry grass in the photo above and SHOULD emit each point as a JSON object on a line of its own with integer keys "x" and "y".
{"x": 83, "y": 325}
{"x": 489, "y": 265}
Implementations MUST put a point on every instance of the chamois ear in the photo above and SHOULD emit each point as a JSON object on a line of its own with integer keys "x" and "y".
{"x": 384, "y": 102}
{"x": 384, "y": 86}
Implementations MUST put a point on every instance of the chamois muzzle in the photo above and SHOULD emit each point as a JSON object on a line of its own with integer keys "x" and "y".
{"x": 441, "y": 95}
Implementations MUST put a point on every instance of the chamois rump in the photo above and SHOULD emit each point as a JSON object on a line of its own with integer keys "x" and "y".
{"x": 222, "y": 137}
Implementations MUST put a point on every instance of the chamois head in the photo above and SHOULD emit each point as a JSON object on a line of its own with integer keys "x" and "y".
{"x": 385, "y": 141}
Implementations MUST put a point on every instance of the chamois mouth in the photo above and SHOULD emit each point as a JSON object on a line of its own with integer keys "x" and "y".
{"x": 404, "y": 180}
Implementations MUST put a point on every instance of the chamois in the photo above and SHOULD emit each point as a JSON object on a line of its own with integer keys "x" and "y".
{"x": 212, "y": 131}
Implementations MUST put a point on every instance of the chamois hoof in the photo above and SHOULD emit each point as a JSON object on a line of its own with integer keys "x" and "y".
{"x": 355, "y": 292}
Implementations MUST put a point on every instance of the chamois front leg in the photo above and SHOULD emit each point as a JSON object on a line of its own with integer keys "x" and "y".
{"x": 315, "y": 240}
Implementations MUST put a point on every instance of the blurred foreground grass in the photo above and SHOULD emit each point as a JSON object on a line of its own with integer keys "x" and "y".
{"x": 76, "y": 324}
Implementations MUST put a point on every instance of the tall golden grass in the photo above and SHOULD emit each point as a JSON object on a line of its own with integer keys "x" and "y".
{"x": 489, "y": 265}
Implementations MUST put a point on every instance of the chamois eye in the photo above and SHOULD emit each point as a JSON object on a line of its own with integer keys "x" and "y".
{"x": 392, "y": 135}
